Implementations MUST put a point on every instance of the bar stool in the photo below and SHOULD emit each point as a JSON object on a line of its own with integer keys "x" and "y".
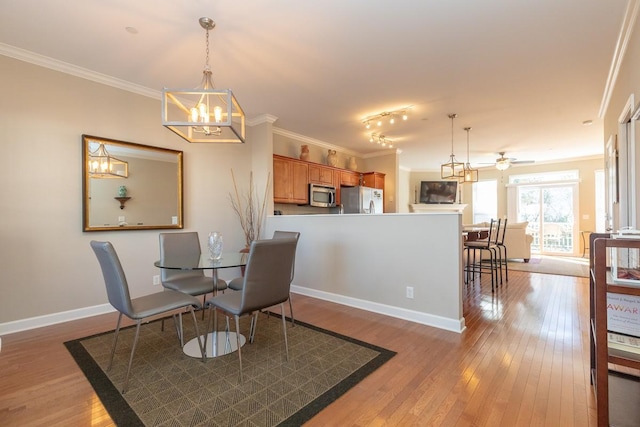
{"x": 476, "y": 250}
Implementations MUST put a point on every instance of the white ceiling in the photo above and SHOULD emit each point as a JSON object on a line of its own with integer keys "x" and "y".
{"x": 523, "y": 74}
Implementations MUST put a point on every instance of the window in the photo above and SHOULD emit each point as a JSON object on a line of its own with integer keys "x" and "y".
{"x": 485, "y": 201}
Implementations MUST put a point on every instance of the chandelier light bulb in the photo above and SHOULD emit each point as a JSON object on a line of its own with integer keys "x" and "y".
{"x": 217, "y": 113}
{"x": 204, "y": 114}
{"x": 368, "y": 125}
{"x": 379, "y": 123}
{"x": 404, "y": 116}
{"x": 392, "y": 120}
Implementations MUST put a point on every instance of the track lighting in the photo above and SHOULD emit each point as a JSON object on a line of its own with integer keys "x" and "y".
{"x": 391, "y": 116}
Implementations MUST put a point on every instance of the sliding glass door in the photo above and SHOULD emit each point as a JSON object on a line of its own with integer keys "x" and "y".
{"x": 550, "y": 210}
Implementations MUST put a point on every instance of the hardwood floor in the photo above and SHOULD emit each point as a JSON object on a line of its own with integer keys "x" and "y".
{"x": 523, "y": 361}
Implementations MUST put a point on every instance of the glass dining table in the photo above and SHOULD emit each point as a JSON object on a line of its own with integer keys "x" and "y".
{"x": 216, "y": 344}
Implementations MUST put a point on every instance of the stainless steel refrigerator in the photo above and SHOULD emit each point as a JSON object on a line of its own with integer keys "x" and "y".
{"x": 361, "y": 200}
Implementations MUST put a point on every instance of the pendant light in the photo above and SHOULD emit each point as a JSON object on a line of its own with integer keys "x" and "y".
{"x": 453, "y": 169}
{"x": 204, "y": 114}
{"x": 468, "y": 173}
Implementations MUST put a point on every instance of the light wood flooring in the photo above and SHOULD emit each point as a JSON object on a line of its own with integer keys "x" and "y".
{"x": 523, "y": 361}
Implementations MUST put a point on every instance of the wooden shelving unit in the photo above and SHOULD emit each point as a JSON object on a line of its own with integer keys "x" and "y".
{"x": 615, "y": 373}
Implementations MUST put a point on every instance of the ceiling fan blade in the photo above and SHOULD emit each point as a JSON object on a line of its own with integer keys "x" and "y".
{"x": 522, "y": 162}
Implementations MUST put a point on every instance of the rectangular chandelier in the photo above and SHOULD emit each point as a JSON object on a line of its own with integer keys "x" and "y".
{"x": 203, "y": 115}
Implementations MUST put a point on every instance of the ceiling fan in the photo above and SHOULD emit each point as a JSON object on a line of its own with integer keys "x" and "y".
{"x": 503, "y": 163}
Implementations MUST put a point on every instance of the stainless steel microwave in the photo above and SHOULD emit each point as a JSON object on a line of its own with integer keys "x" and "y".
{"x": 323, "y": 196}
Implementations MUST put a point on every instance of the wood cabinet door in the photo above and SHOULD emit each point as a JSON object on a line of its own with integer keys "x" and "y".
{"x": 320, "y": 175}
{"x": 290, "y": 181}
{"x": 349, "y": 179}
{"x": 373, "y": 179}
{"x": 300, "y": 183}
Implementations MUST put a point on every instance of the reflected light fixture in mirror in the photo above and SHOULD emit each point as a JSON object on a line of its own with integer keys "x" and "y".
{"x": 204, "y": 114}
{"x": 103, "y": 165}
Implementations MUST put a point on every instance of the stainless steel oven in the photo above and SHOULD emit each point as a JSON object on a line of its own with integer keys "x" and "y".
{"x": 323, "y": 196}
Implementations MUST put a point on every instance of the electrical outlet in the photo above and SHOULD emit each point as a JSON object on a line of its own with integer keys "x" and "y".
{"x": 156, "y": 280}
{"x": 410, "y": 292}
{"x": 121, "y": 219}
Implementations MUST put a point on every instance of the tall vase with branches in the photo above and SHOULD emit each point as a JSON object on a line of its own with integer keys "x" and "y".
{"x": 249, "y": 209}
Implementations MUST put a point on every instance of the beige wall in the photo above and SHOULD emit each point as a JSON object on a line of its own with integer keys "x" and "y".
{"x": 46, "y": 263}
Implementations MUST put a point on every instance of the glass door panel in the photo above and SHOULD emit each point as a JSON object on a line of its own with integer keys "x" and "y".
{"x": 549, "y": 209}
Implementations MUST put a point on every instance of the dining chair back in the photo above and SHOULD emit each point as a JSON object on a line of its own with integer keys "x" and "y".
{"x": 183, "y": 248}
{"x": 237, "y": 283}
{"x": 278, "y": 234}
{"x": 266, "y": 283}
{"x": 138, "y": 308}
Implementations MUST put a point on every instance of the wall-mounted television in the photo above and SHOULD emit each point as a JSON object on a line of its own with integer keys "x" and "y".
{"x": 437, "y": 192}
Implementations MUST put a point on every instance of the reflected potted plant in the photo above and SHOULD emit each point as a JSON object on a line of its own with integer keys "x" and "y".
{"x": 249, "y": 209}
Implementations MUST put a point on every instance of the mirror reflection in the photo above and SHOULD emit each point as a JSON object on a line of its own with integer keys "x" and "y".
{"x": 129, "y": 186}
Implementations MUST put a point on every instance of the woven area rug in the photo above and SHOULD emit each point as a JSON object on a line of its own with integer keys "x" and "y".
{"x": 168, "y": 388}
{"x": 560, "y": 265}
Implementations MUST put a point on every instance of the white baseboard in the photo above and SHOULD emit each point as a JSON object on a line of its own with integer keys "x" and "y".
{"x": 397, "y": 312}
{"x": 54, "y": 318}
{"x": 400, "y": 313}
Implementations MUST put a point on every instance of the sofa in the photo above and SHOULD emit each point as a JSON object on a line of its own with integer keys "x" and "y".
{"x": 516, "y": 239}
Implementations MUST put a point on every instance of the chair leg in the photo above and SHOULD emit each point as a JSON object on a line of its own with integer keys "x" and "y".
{"x": 227, "y": 341}
{"x": 506, "y": 264}
{"x": 200, "y": 344}
{"x": 179, "y": 329}
{"x": 284, "y": 330}
{"x": 133, "y": 349}
{"x": 115, "y": 341}
{"x": 254, "y": 324}
{"x": 237, "y": 318}
{"x": 293, "y": 322}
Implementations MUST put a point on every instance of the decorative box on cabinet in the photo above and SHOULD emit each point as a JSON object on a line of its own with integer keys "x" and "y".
{"x": 615, "y": 367}
{"x": 290, "y": 181}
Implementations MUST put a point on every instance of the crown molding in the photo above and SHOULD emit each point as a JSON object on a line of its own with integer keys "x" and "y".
{"x": 622, "y": 43}
{"x": 262, "y": 118}
{"x": 309, "y": 140}
{"x": 64, "y": 67}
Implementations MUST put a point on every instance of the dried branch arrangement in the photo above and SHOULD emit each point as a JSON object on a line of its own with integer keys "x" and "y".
{"x": 249, "y": 209}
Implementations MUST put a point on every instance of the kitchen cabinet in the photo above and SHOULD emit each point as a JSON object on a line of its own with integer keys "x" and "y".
{"x": 319, "y": 174}
{"x": 373, "y": 180}
{"x": 290, "y": 181}
{"x": 615, "y": 359}
{"x": 349, "y": 178}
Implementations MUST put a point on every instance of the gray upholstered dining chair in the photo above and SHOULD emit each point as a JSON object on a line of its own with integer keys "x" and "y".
{"x": 236, "y": 284}
{"x": 185, "y": 246}
{"x": 139, "y": 308}
{"x": 266, "y": 283}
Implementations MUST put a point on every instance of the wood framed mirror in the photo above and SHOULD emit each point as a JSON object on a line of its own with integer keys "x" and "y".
{"x": 129, "y": 186}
